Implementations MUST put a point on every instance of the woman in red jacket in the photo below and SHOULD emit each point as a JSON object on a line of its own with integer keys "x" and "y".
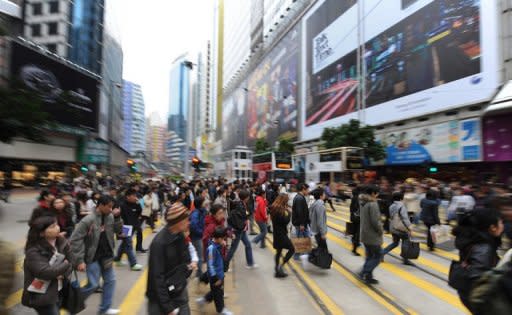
{"x": 260, "y": 215}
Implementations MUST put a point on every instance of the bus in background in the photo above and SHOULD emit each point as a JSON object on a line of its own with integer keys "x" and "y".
{"x": 273, "y": 166}
{"x": 234, "y": 164}
{"x": 330, "y": 165}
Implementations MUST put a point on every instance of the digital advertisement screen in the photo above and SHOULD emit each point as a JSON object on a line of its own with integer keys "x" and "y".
{"x": 69, "y": 95}
{"x": 421, "y": 57}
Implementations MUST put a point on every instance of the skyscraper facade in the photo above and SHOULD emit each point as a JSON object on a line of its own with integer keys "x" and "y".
{"x": 179, "y": 97}
{"x": 134, "y": 127}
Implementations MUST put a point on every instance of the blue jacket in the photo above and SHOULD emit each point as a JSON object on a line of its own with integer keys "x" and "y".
{"x": 215, "y": 261}
{"x": 197, "y": 224}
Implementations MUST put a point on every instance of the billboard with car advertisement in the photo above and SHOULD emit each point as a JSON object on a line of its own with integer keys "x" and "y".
{"x": 421, "y": 57}
{"x": 69, "y": 95}
{"x": 273, "y": 92}
{"x": 448, "y": 142}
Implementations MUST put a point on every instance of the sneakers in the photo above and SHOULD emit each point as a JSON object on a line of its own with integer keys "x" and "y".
{"x": 137, "y": 267}
{"x": 121, "y": 263}
{"x": 201, "y": 301}
{"x": 253, "y": 266}
{"x": 112, "y": 311}
{"x": 279, "y": 273}
{"x": 142, "y": 251}
{"x": 225, "y": 311}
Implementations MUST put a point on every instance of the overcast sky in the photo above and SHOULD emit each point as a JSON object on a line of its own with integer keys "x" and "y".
{"x": 153, "y": 33}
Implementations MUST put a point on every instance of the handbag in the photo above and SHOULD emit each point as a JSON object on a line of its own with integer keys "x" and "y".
{"x": 320, "y": 257}
{"x": 176, "y": 279}
{"x": 397, "y": 222}
{"x": 440, "y": 233}
{"x": 73, "y": 300}
{"x": 410, "y": 249}
{"x": 458, "y": 277}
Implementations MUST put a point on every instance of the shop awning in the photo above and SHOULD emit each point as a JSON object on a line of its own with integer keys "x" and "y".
{"x": 502, "y": 102}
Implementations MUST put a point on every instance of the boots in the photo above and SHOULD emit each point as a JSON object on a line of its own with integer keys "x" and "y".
{"x": 279, "y": 272}
{"x": 354, "y": 250}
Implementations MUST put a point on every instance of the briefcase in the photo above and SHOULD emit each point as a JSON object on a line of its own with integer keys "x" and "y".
{"x": 410, "y": 249}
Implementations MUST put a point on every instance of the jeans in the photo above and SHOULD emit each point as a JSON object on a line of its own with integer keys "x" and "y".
{"x": 241, "y": 235}
{"x": 396, "y": 241}
{"x": 198, "y": 244}
{"x": 251, "y": 223}
{"x": 138, "y": 246}
{"x": 372, "y": 259}
{"x": 126, "y": 247}
{"x": 52, "y": 309}
{"x": 262, "y": 235}
{"x": 216, "y": 295}
{"x": 94, "y": 272}
{"x": 154, "y": 307}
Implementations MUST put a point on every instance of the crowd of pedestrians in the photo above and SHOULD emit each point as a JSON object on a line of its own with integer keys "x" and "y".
{"x": 88, "y": 227}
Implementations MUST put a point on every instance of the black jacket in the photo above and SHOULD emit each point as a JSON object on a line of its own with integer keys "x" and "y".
{"x": 280, "y": 226}
{"x": 429, "y": 211}
{"x": 300, "y": 211}
{"x": 355, "y": 214}
{"x": 478, "y": 249}
{"x": 130, "y": 213}
{"x": 238, "y": 215}
{"x": 167, "y": 252}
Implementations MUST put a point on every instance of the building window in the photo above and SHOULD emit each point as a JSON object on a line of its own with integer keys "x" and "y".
{"x": 53, "y": 28}
{"x": 37, "y": 8}
{"x": 52, "y": 48}
{"x": 36, "y": 30}
{"x": 54, "y": 6}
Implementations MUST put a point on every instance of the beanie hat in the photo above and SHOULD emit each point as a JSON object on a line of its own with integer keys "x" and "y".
{"x": 176, "y": 213}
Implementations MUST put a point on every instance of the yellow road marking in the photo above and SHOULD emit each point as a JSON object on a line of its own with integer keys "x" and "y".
{"x": 135, "y": 297}
{"x": 442, "y": 294}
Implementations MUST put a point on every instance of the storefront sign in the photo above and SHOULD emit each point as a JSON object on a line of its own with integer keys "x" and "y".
{"x": 497, "y": 138}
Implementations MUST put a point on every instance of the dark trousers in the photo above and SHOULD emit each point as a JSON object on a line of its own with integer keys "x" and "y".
{"x": 355, "y": 237}
{"x": 329, "y": 201}
{"x": 372, "y": 260}
{"x": 216, "y": 295}
{"x": 287, "y": 257}
{"x": 154, "y": 307}
{"x": 320, "y": 241}
{"x": 430, "y": 242}
{"x": 139, "y": 239}
{"x": 404, "y": 237}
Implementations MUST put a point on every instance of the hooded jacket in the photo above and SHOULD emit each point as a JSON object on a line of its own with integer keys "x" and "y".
{"x": 197, "y": 222}
{"x": 371, "y": 224}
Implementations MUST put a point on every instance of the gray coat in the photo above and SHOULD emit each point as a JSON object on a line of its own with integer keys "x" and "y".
{"x": 318, "y": 218}
{"x": 86, "y": 236}
{"x": 404, "y": 215}
{"x": 371, "y": 224}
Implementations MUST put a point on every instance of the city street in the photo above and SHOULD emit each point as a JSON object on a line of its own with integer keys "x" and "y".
{"x": 420, "y": 289}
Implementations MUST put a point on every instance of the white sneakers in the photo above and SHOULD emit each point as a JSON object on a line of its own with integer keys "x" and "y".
{"x": 137, "y": 267}
{"x": 201, "y": 301}
{"x": 112, "y": 311}
{"x": 254, "y": 266}
{"x": 225, "y": 311}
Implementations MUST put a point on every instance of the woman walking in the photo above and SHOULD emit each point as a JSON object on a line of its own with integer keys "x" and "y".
{"x": 281, "y": 214}
{"x": 47, "y": 264}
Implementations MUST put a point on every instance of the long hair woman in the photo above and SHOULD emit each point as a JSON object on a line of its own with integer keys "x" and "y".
{"x": 47, "y": 264}
{"x": 281, "y": 214}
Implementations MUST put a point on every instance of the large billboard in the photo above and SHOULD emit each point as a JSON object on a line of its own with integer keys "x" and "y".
{"x": 497, "y": 134}
{"x": 420, "y": 57}
{"x": 70, "y": 96}
{"x": 448, "y": 142}
{"x": 273, "y": 92}
{"x": 234, "y": 119}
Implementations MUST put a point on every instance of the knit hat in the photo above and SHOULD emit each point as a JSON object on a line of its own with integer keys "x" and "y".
{"x": 176, "y": 213}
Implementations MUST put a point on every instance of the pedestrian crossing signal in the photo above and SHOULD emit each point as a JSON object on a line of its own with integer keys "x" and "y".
{"x": 84, "y": 169}
{"x": 432, "y": 170}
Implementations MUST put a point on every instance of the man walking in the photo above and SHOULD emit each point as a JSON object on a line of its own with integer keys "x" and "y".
{"x": 131, "y": 213}
{"x": 371, "y": 232}
{"x": 92, "y": 245}
{"x": 170, "y": 265}
{"x": 300, "y": 213}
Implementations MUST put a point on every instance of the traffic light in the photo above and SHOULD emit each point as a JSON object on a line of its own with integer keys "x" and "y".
{"x": 196, "y": 162}
{"x": 132, "y": 165}
{"x": 84, "y": 169}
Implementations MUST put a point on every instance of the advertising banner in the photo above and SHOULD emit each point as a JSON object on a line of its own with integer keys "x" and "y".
{"x": 448, "y": 142}
{"x": 234, "y": 119}
{"x": 420, "y": 57}
{"x": 497, "y": 138}
{"x": 272, "y": 93}
{"x": 69, "y": 95}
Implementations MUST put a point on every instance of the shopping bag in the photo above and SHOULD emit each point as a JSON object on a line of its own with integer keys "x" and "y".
{"x": 440, "y": 233}
{"x": 73, "y": 300}
{"x": 410, "y": 249}
{"x": 320, "y": 257}
{"x": 302, "y": 245}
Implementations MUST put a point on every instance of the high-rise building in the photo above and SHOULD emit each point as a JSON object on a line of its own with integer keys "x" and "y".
{"x": 179, "y": 97}
{"x": 156, "y": 133}
{"x": 72, "y": 29}
{"x": 134, "y": 127}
